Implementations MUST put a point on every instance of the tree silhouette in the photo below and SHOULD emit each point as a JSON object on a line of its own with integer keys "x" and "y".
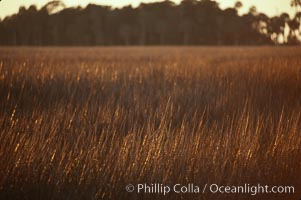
{"x": 192, "y": 22}
{"x": 296, "y": 4}
{"x": 238, "y": 5}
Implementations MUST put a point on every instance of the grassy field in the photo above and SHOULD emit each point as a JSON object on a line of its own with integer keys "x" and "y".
{"x": 82, "y": 123}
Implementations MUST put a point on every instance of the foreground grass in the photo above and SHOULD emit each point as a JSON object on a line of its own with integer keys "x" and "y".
{"x": 83, "y": 123}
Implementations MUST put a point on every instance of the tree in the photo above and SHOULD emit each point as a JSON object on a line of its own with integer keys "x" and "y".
{"x": 238, "y": 5}
{"x": 192, "y": 22}
{"x": 253, "y": 10}
{"x": 53, "y": 6}
{"x": 296, "y": 4}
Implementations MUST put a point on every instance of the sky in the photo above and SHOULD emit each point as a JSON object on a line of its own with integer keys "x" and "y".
{"x": 270, "y": 7}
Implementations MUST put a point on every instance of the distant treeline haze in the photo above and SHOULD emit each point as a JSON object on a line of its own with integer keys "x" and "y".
{"x": 192, "y": 22}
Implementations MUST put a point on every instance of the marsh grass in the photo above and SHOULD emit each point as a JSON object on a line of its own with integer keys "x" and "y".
{"x": 82, "y": 123}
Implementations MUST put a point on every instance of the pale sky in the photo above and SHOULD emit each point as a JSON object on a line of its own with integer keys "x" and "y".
{"x": 270, "y": 7}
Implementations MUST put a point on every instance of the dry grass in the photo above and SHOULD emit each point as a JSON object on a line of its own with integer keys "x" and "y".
{"x": 82, "y": 123}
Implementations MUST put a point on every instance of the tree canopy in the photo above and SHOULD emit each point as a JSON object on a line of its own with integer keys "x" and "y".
{"x": 192, "y": 22}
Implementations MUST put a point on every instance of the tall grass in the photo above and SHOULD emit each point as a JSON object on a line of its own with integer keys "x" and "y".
{"x": 83, "y": 123}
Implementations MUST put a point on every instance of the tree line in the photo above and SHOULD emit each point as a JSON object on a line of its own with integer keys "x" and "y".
{"x": 192, "y": 22}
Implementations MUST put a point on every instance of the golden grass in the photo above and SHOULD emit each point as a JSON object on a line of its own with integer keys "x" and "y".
{"x": 82, "y": 123}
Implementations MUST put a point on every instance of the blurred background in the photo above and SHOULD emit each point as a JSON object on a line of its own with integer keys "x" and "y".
{"x": 150, "y": 22}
